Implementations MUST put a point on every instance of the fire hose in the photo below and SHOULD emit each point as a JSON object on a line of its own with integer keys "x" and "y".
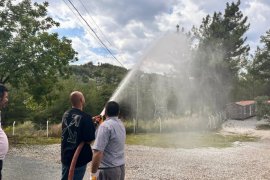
{"x": 74, "y": 161}
{"x": 97, "y": 121}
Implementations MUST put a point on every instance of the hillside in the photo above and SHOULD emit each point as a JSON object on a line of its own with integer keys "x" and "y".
{"x": 101, "y": 74}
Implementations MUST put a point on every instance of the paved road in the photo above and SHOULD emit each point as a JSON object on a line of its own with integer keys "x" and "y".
{"x": 25, "y": 168}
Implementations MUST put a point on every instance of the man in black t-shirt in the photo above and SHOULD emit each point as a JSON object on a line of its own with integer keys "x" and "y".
{"x": 77, "y": 127}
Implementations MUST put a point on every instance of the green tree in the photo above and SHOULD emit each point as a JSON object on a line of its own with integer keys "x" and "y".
{"x": 221, "y": 53}
{"x": 223, "y": 33}
{"x": 16, "y": 109}
{"x": 263, "y": 108}
{"x": 260, "y": 68}
{"x": 30, "y": 56}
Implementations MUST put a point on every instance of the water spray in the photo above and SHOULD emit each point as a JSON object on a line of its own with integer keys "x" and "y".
{"x": 174, "y": 82}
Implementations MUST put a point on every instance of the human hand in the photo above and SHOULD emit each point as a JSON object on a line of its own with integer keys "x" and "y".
{"x": 94, "y": 176}
{"x": 97, "y": 119}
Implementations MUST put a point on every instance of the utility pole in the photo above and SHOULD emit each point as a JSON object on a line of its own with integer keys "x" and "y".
{"x": 177, "y": 28}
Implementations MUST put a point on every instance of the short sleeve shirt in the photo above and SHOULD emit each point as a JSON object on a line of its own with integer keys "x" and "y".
{"x": 77, "y": 127}
{"x": 110, "y": 139}
{"x": 3, "y": 142}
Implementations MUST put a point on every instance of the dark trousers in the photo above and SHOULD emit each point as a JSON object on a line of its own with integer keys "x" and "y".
{"x": 1, "y": 166}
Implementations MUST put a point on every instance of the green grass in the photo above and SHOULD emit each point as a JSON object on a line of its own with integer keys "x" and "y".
{"x": 168, "y": 140}
{"x": 165, "y": 140}
{"x": 186, "y": 140}
{"x": 32, "y": 140}
{"x": 263, "y": 127}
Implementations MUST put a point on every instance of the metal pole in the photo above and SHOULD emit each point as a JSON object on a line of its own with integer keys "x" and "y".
{"x": 134, "y": 126}
{"x": 177, "y": 28}
{"x": 137, "y": 103}
{"x": 13, "y": 129}
{"x": 160, "y": 127}
{"x": 47, "y": 128}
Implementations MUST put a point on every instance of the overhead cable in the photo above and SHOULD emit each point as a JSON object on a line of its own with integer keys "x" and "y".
{"x": 104, "y": 45}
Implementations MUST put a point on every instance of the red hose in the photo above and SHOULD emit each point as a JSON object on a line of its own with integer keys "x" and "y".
{"x": 74, "y": 161}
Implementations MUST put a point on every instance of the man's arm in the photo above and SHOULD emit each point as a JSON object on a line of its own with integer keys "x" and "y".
{"x": 97, "y": 156}
{"x": 88, "y": 130}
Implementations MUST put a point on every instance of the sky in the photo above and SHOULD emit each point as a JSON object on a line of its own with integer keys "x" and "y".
{"x": 128, "y": 27}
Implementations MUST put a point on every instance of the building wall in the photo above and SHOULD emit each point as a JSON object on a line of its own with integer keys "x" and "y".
{"x": 236, "y": 111}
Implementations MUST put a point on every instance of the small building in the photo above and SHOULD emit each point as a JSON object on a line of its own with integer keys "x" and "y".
{"x": 241, "y": 110}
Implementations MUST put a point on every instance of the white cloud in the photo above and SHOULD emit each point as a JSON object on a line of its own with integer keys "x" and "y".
{"x": 258, "y": 16}
{"x": 185, "y": 13}
{"x": 61, "y": 13}
{"x": 130, "y": 26}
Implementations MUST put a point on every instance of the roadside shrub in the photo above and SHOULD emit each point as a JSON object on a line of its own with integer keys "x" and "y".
{"x": 55, "y": 130}
{"x": 184, "y": 123}
{"x": 263, "y": 107}
{"x": 25, "y": 129}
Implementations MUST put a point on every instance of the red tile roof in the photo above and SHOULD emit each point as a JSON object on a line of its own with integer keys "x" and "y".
{"x": 246, "y": 103}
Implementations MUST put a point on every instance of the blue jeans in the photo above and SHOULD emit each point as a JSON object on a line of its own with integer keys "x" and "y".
{"x": 78, "y": 173}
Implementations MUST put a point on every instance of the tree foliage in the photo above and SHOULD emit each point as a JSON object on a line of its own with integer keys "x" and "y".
{"x": 30, "y": 55}
{"x": 224, "y": 34}
{"x": 96, "y": 89}
{"x": 260, "y": 67}
{"x": 263, "y": 108}
{"x": 221, "y": 52}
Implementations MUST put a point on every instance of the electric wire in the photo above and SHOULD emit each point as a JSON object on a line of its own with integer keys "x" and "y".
{"x": 73, "y": 12}
{"x": 81, "y": 21}
{"x": 104, "y": 45}
{"x": 104, "y": 36}
{"x": 87, "y": 12}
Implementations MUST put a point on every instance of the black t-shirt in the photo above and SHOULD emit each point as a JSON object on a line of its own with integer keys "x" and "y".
{"x": 77, "y": 127}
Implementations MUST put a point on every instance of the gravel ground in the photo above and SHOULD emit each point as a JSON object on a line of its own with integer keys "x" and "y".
{"x": 247, "y": 160}
{"x": 246, "y": 127}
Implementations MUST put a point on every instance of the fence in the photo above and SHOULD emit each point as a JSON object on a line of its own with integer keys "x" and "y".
{"x": 216, "y": 120}
{"x": 28, "y": 128}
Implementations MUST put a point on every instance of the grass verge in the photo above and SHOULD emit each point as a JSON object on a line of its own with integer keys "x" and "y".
{"x": 187, "y": 140}
{"x": 32, "y": 140}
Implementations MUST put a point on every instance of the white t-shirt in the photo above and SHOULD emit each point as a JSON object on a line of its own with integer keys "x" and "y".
{"x": 3, "y": 142}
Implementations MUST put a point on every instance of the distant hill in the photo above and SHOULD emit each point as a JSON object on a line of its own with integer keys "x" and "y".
{"x": 101, "y": 74}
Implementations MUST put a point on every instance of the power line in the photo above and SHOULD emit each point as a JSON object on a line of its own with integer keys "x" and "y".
{"x": 104, "y": 36}
{"x": 96, "y": 34}
{"x": 90, "y": 32}
{"x": 81, "y": 22}
{"x": 87, "y": 12}
{"x": 74, "y": 13}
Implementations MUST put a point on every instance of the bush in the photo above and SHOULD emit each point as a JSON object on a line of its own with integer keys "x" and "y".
{"x": 185, "y": 123}
{"x": 25, "y": 129}
{"x": 263, "y": 108}
{"x": 55, "y": 130}
{"x": 29, "y": 129}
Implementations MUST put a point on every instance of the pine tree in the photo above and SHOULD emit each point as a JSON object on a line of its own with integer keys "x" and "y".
{"x": 260, "y": 68}
{"x": 221, "y": 52}
{"x": 261, "y": 63}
